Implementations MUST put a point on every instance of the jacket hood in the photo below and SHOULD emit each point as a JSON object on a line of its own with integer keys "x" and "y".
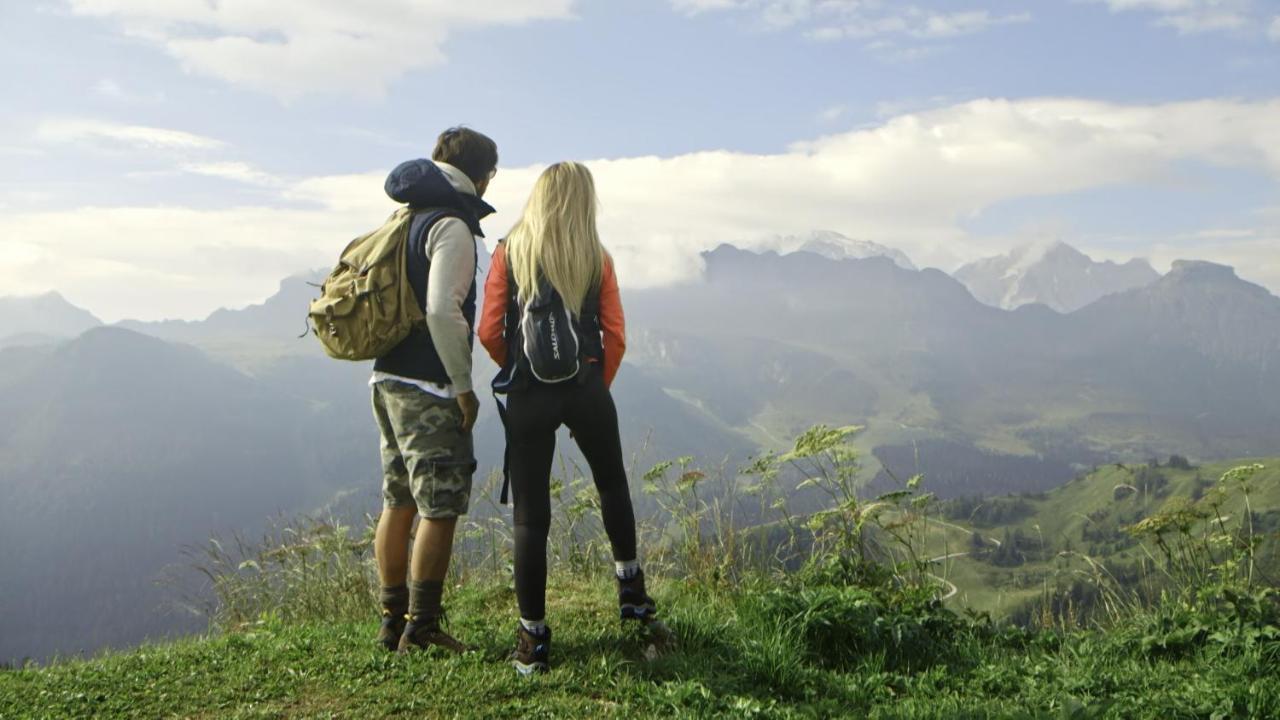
{"x": 422, "y": 184}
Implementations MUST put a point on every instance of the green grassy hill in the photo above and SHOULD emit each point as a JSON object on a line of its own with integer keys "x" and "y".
{"x": 857, "y": 610}
{"x": 1085, "y": 517}
{"x": 794, "y": 650}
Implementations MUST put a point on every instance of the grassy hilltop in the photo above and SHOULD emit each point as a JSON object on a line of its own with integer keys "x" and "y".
{"x": 745, "y": 652}
{"x": 839, "y": 613}
{"x": 1052, "y": 539}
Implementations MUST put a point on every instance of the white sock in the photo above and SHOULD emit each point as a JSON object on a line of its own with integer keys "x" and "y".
{"x": 626, "y": 569}
{"x": 537, "y": 627}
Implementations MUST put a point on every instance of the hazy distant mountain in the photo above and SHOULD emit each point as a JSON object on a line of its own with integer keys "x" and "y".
{"x": 142, "y": 447}
{"x": 913, "y": 355}
{"x": 1198, "y": 306}
{"x": 150, "y": 445}
{"x": 1053, "y": 274}
{"x": 273, "y": 324}
{"x": 43, "y": 316}
{"x": 860, "y": 307}
{"x": 28, "y": 339}
{"x": 1200, "y": 346}
{"x": 834, "y": 246}
{"x": 146, "y": 447}
{"x": 262, "y": 340}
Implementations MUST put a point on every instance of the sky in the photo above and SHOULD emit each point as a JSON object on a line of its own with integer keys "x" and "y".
{"x": 162, "y": 159}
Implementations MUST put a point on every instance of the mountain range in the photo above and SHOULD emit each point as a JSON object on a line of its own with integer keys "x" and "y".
{"x": 155, "y": 436}
{"x": 835, "y": 246}
{"x": 149, "y": 446}
{"x": 1184, "y": 364}
{"x": 1053, "y": 274}
{"x": 41, "y": 318}
{"x": 119, "y": 449}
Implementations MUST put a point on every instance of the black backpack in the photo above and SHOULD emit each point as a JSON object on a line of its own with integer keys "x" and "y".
{"x": 546, "y": 344}
{"x": 549, "y": 349}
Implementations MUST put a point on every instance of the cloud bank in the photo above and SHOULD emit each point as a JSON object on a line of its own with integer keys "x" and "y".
{"x": 911, "y": 182}
{"x": 857, "y": 19}
{"x": 116, "y": 136}
{"x": 290, "y": 48}
{"x": 1190, "y": 17}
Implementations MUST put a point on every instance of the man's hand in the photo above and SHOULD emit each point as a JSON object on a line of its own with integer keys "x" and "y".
{"x": 470, "y": 406}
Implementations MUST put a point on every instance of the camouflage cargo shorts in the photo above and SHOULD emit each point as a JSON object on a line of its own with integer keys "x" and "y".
{"x": 426, "y": 458}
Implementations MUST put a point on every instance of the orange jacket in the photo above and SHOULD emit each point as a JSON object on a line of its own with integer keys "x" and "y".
{"x": 494, "y": 315}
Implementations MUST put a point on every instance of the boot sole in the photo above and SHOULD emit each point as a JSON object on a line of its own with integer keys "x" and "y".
{"x": 642, "y": 613}
{"x": 527, "y": 669}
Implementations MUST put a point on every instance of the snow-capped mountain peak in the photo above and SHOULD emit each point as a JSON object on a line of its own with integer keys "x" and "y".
{"x": 835, "y": 246}
{"x": 1052, "y": 273}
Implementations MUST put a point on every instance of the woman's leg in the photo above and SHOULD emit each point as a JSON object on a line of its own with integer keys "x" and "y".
{"x": 532, "y": 419}
{"x": 593, "y": 418}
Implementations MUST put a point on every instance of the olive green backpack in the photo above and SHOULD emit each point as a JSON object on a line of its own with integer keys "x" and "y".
{"x": 366, "y": 305}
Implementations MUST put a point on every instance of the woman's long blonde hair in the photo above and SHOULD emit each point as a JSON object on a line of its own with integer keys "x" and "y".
{"x": 556, "y": 238}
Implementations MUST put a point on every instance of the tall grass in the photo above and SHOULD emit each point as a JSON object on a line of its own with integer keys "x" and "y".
{"x": 1194, "y": 556}
{"x": 784, "y": 606}
{"x": 301, "y": 570}
{"x": 850, "y": 561}
{"x": 709, "y": 526}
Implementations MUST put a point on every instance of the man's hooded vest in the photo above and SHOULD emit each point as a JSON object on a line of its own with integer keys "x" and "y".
{"x": 423, "y": 186}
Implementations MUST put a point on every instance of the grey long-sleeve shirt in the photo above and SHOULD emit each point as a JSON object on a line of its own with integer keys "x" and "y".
{"x": 452, "y": 250}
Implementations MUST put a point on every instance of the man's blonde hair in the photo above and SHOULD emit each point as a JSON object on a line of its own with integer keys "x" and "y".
{"x": 556, "y": 238}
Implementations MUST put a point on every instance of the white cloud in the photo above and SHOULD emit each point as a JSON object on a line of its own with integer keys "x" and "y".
{"x": 17, "y": 151}
{"x": 111, "y": 90}
{"x": 890, "y": 108}
{"x": 236, "y": 171}
{"x": 965, "y": 23}
{"x": 857, "y": 19}
{"x": 158, "y": 262}
{"x": 117, "y": 136}
{"x": 1274, "y": 31}
{"x": 1191, "y": 17}
{"x": 1158, "y": 5}
{"x": 1193, "y": 23}
{"x": 833, "y": 114}
{"x": 293, "y": 47}
{"x": 1255, "y": 259}
{"x": 696, "y": 7}
{"x": 911, "y": 182}
{"x": 176, "y": 149}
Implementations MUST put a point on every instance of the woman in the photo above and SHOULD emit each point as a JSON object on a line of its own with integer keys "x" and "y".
{"x": 555, "y": 245}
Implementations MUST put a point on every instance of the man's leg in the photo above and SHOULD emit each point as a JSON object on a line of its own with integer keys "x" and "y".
{"x": 391, "y": 540}
{"x": 432, "y": 548}
{"x": 391, "y": 544}
{"x": 440, "y": 461}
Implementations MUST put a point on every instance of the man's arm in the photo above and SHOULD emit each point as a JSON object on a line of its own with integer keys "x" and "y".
{"x": 452, "y": 251}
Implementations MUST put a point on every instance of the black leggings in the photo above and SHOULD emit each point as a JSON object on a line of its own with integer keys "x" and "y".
{"x": 533, "y": 415}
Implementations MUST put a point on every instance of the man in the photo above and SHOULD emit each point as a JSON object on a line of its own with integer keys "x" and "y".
{"x": 422, "y": 395}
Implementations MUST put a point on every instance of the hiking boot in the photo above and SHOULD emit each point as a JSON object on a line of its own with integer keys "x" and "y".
{"x": 633, "y": 602}
{"x": 422, "y": 632}
{"x": 392, "y": 628}
{"x": 659, "y": 640}
{"x": 533, "y": 652}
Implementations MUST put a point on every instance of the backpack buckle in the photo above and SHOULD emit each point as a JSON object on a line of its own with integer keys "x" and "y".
{"x": 331, "y": 326}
